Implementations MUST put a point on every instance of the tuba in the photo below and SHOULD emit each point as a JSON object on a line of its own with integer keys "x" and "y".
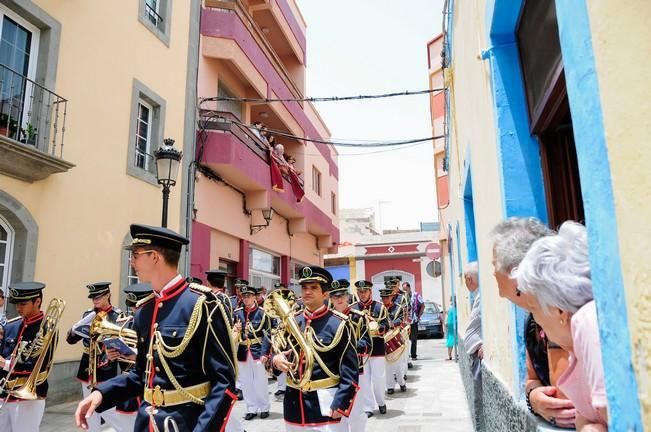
{"x": 279, "y": 304}
{"x": 101, "y": 328}
{"x": 44, "y": 344}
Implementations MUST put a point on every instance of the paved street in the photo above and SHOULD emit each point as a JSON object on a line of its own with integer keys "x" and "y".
{"x": 435, "y": 400}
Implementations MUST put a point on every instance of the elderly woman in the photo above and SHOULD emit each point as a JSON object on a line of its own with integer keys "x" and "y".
{"x": 555, "y": 276}
{"x": 511, "y": 240}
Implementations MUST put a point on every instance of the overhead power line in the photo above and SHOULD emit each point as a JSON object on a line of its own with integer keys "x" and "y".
{"x": 344, "y": 144}
{"x": 320, "y": 99}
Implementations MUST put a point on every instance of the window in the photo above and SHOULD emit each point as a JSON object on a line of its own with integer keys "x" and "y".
{"x": 333, "y": 203}
{"x": 232, "y": 107}
{"x": 316, "y": 180}
{"x": 6, "y": 252}
{"x": 146, "y": 132}
{"x": 132, "y": 277}
{"x": 18, "y": 53}
{"x": 144, "y": 156}
{"x": 264, "y": 269}
{"x": 296, "y": 267}
{"x": 155, "y": 15}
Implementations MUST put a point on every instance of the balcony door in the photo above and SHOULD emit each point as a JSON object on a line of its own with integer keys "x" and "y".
{"x": 6, "y": 253}
{"x": 18, "y": 54}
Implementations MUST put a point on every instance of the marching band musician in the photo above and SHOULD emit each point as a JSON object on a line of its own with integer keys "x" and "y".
{"x": 185, "y": 366}
{"x": 253, "y": 348}
{"x": 394, "y": 371}
{"x": 400, "y": 298}
{"x": 105, "y": 367}
{"x": 330, "y": 393}
{"x": 282, "y": 378}
{"x": 340, "y": 299}
{"x": 376, "y": 365}
{"x": 217, "y": 282}
{"x": 22, "y": 415}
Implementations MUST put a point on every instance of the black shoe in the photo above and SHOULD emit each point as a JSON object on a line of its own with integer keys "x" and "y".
{"x": 403, "y": 388}
{"x": 279, "y": 392}
{"x": 264, "y": 414}
{"x": 369, "y": 414}
{"x": 240, "y": 396}
{"x": 383, "y": 409}
{"x": 391, "y": 391}
{"x": 410, "y": 365}
{"x": 250, "y": 416}
{"x": 405, "y": 377}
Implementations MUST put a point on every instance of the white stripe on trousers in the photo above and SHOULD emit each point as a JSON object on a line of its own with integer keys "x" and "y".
{"x": 253, "y": 379}
{"x": 396, "y": 371}
{"x": 23, "y": 416}
{"x": 121, "y": 422}
{"x": 374, "y": 395}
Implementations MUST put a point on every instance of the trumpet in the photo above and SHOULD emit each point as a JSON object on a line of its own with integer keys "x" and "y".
{"x": 44, "y": 344}
{"x": 279, "y": 304}
{"x": 101, "y": 328}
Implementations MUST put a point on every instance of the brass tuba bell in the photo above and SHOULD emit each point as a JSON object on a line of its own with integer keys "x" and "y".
{"x": 101, "y": 328}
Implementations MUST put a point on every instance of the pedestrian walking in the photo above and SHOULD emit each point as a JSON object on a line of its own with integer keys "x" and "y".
{"x": 451, "y": 327}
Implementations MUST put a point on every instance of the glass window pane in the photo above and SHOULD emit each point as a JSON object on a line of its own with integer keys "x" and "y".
{"x": 3, "y": 234}
{"x": 142, "y": 129}
{"x": 3, "y": 251}
{"x": 9, "y": 29}
{"x": 144, "y": 113}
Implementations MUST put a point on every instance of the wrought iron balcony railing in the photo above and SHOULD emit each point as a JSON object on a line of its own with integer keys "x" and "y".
{"x": 31, "y": 114}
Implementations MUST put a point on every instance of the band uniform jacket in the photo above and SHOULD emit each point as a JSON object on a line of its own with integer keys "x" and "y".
{"x": 183, "y": 343}
{"x": 105, "y": 369}
{"x": 228, "y": 304}
{"x": 364, "y": 343}
{"x": 254, "y": 335}
{"x": 331, "y": 335}
{"x": 379, "y": 313}
{"x": 395, "y": 315}
{"x": 401, "y": 300}
{"x": 19, "y": 332}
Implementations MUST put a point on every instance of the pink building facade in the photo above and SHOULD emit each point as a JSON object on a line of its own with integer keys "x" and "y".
{"x": 256, "y": 50}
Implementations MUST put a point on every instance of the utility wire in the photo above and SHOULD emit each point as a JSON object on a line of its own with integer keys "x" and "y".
{"x": 319, "y": 99}
{"x": 343, "y": 144}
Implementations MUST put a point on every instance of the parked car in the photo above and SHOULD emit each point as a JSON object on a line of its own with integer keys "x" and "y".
{"x": 431, "y": 322}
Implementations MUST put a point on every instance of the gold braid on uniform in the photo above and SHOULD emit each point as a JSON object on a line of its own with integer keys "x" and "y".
{"x": 319, "y": 347}
{"x": 350, "y": 342}
{"x": 173, "y": 352}
{"x": 229, "y": 329}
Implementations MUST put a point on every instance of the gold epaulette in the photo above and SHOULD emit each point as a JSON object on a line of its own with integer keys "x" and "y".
{"x": 201, "y": 288}
{"x": 144, "y": 300}
{"x": 339, "y": 314}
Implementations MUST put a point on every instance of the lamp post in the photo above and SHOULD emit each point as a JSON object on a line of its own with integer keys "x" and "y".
{"x": 168, "y": 160}
{"x": 267, "y": 214}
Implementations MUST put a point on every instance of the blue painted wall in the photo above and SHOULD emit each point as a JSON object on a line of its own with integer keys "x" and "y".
{"x": 601, "y": 220}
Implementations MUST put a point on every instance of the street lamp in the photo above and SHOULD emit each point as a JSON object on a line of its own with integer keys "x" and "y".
{"x": 168, "y": 160}
{"x": 267, "y": 214}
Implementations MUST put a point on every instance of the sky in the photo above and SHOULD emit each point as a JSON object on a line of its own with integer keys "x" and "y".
{"x": 371, "y": 47}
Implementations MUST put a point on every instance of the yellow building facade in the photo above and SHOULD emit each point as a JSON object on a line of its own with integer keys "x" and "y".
{"x": 500, "y": 159}
{"x": 89, "y": 91}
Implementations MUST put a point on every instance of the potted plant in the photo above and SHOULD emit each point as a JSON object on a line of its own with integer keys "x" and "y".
{"x": 28, "y": 134}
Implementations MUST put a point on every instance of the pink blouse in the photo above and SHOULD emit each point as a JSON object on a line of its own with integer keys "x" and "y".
{"x": 583, "y": 381}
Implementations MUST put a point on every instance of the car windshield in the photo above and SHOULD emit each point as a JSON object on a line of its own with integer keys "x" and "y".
{"x": 430, "y": 308}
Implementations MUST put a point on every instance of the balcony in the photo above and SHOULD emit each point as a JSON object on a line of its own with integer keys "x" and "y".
{"x": 233, "y": 152}
{"x": 32, "y": 128}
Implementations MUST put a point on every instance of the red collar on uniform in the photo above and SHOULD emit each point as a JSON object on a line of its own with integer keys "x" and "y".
{"x": 368, "y": 303}
{"x": 35, "y": 318}
{"x": 173, "y": 291}
{"x": 251, "y": 309}
{"x": 347, "y": 310}
{"x": 107, "y": 310}
{"x": 318, "y": 313}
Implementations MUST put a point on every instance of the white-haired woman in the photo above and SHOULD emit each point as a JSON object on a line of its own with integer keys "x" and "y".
{"x": 555, "y": 275}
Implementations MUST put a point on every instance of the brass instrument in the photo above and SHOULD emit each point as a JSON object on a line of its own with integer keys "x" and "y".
{"x": 45, "y": 342}
{"x": 279, "y": 304}
{"x": 101, "y": 328}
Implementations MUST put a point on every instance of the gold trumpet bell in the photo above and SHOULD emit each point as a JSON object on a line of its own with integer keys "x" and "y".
{"x": 101, "y": 327}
